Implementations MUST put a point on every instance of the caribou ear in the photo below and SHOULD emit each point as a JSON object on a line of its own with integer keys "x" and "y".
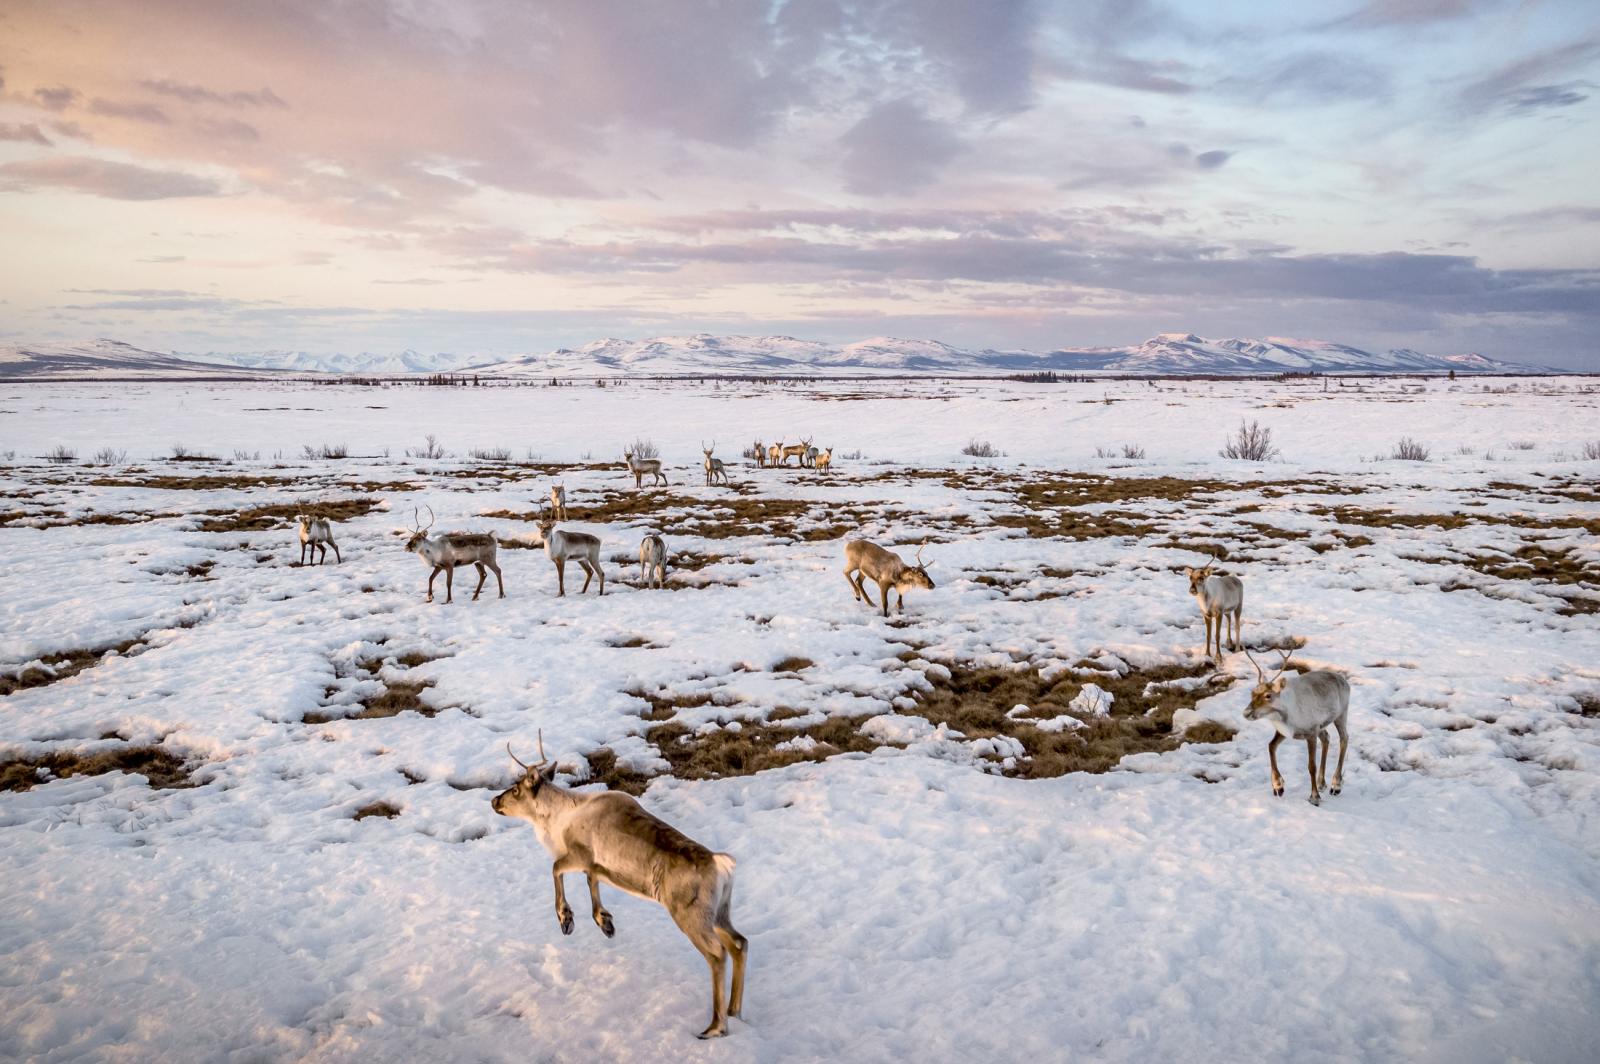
{"x": 547, "y": 772}
{"x": 1279, "y": 684}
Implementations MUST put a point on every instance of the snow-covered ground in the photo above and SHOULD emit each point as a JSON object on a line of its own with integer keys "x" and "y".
{"x": 918, "y": 900}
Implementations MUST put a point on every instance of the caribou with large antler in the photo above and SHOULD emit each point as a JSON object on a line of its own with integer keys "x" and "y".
{"x": 714, "y": 466}
{"x": 611, "y": 838}
{"x": 448, "y": 550}
{"x": 794, "y": 450}
{"x": 887, "y": 569}
{"x": 1301, "y": 707}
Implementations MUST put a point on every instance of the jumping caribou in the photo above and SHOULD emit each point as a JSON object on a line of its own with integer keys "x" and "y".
{"x": 611, "y": 838}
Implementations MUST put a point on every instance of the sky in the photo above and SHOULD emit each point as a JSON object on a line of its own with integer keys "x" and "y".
{"x": 507, "y": 177}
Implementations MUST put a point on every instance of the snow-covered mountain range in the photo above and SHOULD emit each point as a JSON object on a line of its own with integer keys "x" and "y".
{"x": 106, "y": 359}
{"x": 1168, "y": 353}
{"x": 704, "y": 354}
{"x": 365, "y": 364}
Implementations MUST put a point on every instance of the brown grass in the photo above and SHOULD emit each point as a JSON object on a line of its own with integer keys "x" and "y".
{"x": 260, "y": 518}
{"x": 160, "y": 767}
{"x": 397, "y": 697}
{"x": 387, "y": 810}
{"x": 975, "y": 701}
{"x": 59, "y": 666}
{"x": 1536, "y": 561}
{"x": 724, "y": 753}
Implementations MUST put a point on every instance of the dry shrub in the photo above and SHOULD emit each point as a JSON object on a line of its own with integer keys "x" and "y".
{"x": 1410, "y": 450}
{"x": 1251, "y": 443}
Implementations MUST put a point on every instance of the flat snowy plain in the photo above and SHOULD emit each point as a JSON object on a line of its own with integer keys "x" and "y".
{"x": 918, "y": 897}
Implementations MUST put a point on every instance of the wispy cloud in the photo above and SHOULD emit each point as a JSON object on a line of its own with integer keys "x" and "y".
{"x": 1027, "y": 165}
{"x": 200, "y": 94}
{"x": 100, "y": 177}
{"x": 27, "y": 132}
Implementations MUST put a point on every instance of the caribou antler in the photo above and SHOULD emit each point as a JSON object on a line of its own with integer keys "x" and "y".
{"x": 542, "y": 759}
{"x": 920, "y": 563}
{"x": 431, "y": 518}
{"x": 1260, "y": 675}
{"x": 1284, "y": 664}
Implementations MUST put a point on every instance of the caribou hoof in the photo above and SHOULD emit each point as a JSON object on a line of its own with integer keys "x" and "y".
{"x": 1277, "y": 790}
{"x": 1315, "y": 799}
{"x": 566, "y": 922}
{"x": 607, "y": 928}
{"x": 714, "y": 1031}
{"x": 1335, "y": 789}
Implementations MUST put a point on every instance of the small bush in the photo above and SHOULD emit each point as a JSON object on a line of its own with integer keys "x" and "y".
{"x": 110, "y": 456}
{"x": 1521, "y": 445}
{"x": 313, "y": 452}
{"x": 1104, "y": 452}
{"x": 853, "y": 456}
{"x": 1409, "y": 450}
{"x": 981, "y": 449}
{"x": 642, "y": 448}
{"x": 60, "y": 454}
{"x": 1131, "y": 451}
{"x": 1591, "y": 450}
{"x": 182, "y": 451}
{"x": 491, "y": 454}
{"x": 1251, "y": 443}
{"x": 431, "y": 448}
{"x": 242, "y": 455}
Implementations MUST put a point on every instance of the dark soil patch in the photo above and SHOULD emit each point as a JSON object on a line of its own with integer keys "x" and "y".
{"x": 160, "y": 767}
{"x": 793, "y": 664}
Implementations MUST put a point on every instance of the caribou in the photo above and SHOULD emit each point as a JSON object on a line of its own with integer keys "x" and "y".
{"x": 643, "y": 467}
{"x": 653, "y": 561}
{"x": 1221, "y": 597}
{"x": 888, "y": 570}
{"x": 714, "y": 466}
{"x": 316, "y": 534}
{"x": 560, "y": 545}
{"x": 448, "y": 550}
{"x": 611, "y": 838}
{"x": 793, "y": 450}
{"x": 1301, "y": 707}
{"x": 558, "y": 500}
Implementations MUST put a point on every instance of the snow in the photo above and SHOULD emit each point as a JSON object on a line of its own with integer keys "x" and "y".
{"x": 911, "y": 902}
